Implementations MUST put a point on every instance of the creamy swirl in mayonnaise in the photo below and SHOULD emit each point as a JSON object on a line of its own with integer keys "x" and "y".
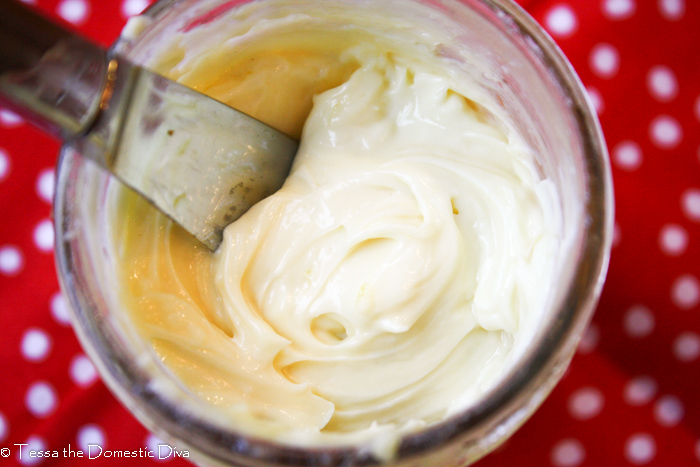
{"x": 400, "y": 272}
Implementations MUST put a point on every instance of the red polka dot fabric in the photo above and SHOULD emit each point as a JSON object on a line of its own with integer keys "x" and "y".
{"x": 630, "y": 396}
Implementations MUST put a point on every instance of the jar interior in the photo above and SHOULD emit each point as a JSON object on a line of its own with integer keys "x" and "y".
{"x": 513, "y": 69}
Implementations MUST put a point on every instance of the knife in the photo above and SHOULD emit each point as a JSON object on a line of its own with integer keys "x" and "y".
{"x": 201, "y": 162}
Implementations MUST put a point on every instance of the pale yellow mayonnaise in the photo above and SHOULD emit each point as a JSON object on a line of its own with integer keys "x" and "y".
{"x": 400, "y": 272}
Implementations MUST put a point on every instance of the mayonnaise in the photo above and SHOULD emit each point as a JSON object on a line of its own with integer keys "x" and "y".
{"x": 400, "y": 272}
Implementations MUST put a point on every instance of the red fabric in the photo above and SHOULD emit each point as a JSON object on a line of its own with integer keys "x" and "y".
{"x": 630, "y": 396}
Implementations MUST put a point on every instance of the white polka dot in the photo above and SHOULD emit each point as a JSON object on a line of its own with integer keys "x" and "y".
{"x": 82, "y": 371}
{"x": 586, "y": 403}
{"x": 29, "y": 2}
{"x": 662, "y": 83}
{"x": 11, "y": 260}
{"x": 640, "y": 390}
{"x": 59, "y": 310}
{"x": 44, "y": 236}
{"x": 40, "y": 399}
{"x": 568, "y": 453}
{"x": 665, "y": 132}
{"x": 619, "y": 9}
{"x": 604, "y": 60}
{"x": 4, "y": 429}
{"x": 91, "y": 435}
{"x": 697, "y": 108}
{"x": 617, "y": 235}
{"x": 33, "y": 443}
{"x": 596, "y": 99}
{"x": 627, "y": 155}
{"x": 4, "y": 165}
{"x": 690, "y": 201}
{"x": 561, "y": 21}
{"x": 640, "y": 448}
{"x": 73, "y": 11}
{"x": 589, "y": 340}
{"x": 45, "y": 185}
{"x": 36, "y": 345}
{"x": 685, "y": 292}
{"x": 697, "y": 450}
{"x": 669, "y": 411}
{"x": 673, "y": 239}
{"x": 672, "y": 10}
{"x": 152, "y": 442}
{"x": 639, "y": 321}
{"x": 133, "y": 7}
{"x": 10, "y": 119}
{"x": 686, "y": 347}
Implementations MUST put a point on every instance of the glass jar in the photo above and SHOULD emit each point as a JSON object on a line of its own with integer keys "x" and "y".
{"x": 535, "y": 84}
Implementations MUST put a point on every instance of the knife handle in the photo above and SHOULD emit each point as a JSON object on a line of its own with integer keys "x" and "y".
{"x": 48, "y": 74}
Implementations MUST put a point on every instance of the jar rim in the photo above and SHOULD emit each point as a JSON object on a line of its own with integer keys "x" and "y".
{"x": 165, "y": 415}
